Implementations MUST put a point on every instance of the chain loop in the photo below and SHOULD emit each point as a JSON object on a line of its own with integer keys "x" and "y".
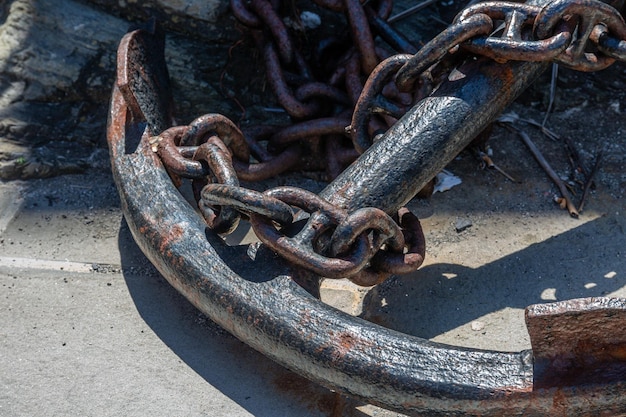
{"x": 352, "y": 248}
{"x": 300, "y": 250}
{"x": 276, "y": 78}
{"x": 365, "y": 106}
{"x": 434, "y": 51}
{"x": 269, "y": 168}
{"x": 173, "y": 157}
{"x": 218, "y": 125}
{"x": 362, "y": 35}
{"x": 248, "y": 202}
{"x": 275, "y": 25}
{"x": 613, "y": 47}
{"x": 404, "y": 262}
{"x": 244, "y": 15}
{"x": 514, "y": 43}
{"x": 367, "y": 219}
{"x": 221, "y": 219}
{"x": 311, "y": 128}
{"x": 589, "y": 14}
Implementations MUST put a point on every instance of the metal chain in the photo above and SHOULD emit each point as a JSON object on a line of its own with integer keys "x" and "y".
{"x": 367, "y": 242}
{"x": 366, "y": 245}
{"x": 566, "y": 32}
{"x": 585, "y": 35}
{"x": 326, "y": 98}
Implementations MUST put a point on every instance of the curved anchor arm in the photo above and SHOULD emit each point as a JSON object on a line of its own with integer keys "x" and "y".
{"x": 274, "y": 315}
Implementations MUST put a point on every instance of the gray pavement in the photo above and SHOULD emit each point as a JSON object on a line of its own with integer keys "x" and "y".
{"x": 89, "y": 328}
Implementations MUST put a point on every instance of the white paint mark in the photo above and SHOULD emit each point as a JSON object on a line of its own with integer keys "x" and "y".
{"x": 549, "y": 294}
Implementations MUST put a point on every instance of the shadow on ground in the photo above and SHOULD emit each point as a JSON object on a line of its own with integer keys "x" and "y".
{"x": 587, "y": 261}
{"x": 257, "y": 384}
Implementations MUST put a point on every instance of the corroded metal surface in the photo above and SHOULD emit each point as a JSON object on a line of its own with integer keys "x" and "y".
{"x": 251, "y": 294}
{"x": 577, "y": 342}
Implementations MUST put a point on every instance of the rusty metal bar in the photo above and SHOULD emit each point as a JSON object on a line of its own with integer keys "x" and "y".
{"x": 430, "y": 135}
{"x": 254, "y": 297}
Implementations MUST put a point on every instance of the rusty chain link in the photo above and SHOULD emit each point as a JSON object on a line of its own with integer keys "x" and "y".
{"x": 585, "y": 35}
{"x": 367, "y": 236}
{"x": 366, "y": 245}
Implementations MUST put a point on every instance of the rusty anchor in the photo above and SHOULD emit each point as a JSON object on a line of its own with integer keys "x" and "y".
{"x": 254, "y": 295}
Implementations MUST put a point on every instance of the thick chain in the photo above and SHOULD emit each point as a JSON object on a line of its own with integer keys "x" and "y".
{"x": 366, "y": 245}
{"x": 318, "y": 98}
{"x": 585, "y": 35}
{"x": 566, "y": 32}
{"x": 367, "y": 242}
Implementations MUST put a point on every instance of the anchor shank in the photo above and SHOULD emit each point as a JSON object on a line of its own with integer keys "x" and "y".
{"x": 430, "y": 135}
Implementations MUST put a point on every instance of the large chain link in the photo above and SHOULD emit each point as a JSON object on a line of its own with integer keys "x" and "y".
{"x": 367, "y": 242}
{"x": 366, "y": 245}
{"x": 585, "y": 35}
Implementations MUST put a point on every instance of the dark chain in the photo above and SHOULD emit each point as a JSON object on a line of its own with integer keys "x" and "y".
{"x": 585, "y": 35}
{"x": 366, "y": 245}
{"x": 367, "y": 242}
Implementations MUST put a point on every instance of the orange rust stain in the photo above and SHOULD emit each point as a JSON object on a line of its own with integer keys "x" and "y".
{"x": 503, "y": 73}
{"x": 340, "y": 345}
{"x": 508, "y": 392}
{"x": 346, "y": 341}
{"x": 507, "y": 75}
{"x": 559, "y": 404}
{"x": 618, "y": 352}
{"x": 177, "y": 232}
{"x": 174, "y": 234}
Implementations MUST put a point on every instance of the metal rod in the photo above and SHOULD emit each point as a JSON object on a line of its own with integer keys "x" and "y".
{"x": 430, "y": 135}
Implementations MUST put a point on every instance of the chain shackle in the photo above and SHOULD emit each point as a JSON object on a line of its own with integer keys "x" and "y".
{"x": 514, "y": 43}
{"x": 589, "y": 14}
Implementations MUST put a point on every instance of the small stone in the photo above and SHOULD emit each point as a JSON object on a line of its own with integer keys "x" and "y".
{"x": 462, "y": 224}
{"x": 477, "y": 325}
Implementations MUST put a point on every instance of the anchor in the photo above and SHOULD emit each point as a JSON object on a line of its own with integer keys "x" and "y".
{"x": 577, "y": 364}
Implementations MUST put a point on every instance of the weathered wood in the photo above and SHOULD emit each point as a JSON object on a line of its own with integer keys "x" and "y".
{"x": 57, "y": 65}
{"x": 199, "y": 19}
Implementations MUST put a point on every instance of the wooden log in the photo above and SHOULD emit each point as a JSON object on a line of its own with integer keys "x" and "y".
{"x": 57, "y": 66}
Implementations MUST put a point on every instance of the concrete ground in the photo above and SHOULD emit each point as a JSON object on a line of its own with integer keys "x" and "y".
{"x": 89, "y": 328}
